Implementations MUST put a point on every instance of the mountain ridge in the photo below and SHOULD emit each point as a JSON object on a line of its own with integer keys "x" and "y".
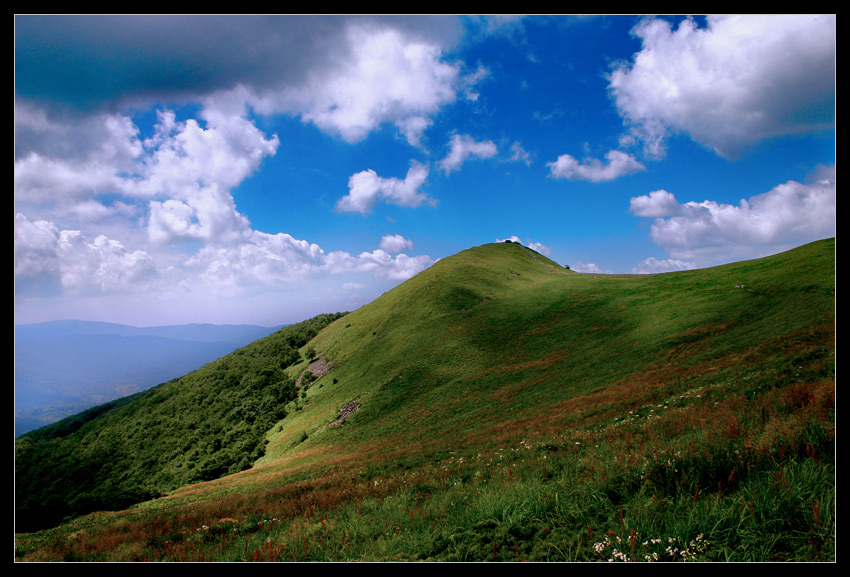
{"x": 499, "y": 346}
{"x": 493, "y": 278}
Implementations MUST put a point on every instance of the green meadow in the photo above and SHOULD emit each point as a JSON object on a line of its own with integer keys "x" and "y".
{"x": 496, "y": 407}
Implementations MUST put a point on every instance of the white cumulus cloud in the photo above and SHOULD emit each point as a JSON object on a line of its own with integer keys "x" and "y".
{"x": 35, "y": 247}
{"x": 395, "y": 243}
{"x": 739, "y": 80}
{"x": 617, "y": 164}
{"x": 382, "y": 76}
{"x": 367, "y": 189}
{"x": 398, "y": 268}
{"x": 653, "y": 265}
{"x": 589, "y": 267}
{"x": 463, "y": 147}
{"x": 77, "y": 264}
{"x": 790, "y": 214}
{"x": 658, "y": 203}
{"x": 276, "y": 259}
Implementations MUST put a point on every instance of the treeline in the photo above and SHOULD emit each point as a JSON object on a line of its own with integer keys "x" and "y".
{"x": 207, "y": 424}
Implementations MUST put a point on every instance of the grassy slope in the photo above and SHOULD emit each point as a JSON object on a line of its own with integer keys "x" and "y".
{"x": 513, "y": 409}
{"x": 505, "y": 331}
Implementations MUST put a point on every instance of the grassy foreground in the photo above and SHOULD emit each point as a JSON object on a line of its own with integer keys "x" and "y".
{"x": 508, "y": 409}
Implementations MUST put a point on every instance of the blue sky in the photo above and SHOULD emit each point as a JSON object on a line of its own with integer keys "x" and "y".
{"x": 264, "y": 169}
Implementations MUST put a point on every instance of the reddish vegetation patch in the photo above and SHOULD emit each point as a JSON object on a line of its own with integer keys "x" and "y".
{"x": 660, "y": 381}
{"x": 700, "y": 331}
{"x": 544, "y": 363}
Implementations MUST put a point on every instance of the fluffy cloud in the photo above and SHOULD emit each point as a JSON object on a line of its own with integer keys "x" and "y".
{"x": 67, "y": 259}
{"x": 658, "y": 203}
{"x": 60, "y": 161}
{"x": 194, "y": 168}
{"x": 398, "y": 268}
{"x": 185, "y": 170}
{"x": 589, "y": 267}
{"x": 653, "y": 265}
{"x": 738, "y": 81}
{"x": 279, "y": 59}
{"x": 347, "y": 75}
{"x": 540, "y": 247}
{"x": 206, "y": 214}
{"x": 185, "y": 156}
{"x": 103, "y": 265}
{"x": 790, "y": 214}
{"x": 381, "y": 75}
{"x": 367, "y": 189}
{"x": 592, "y": 169}
{"x": 175, "y": 187}
{"x": 462, "y": 148}
{"x": 43, "y": 179}
{"x": 263, "y": 259}
{"x": 35, "y": 248}
{"x": 272, "y": 260}
{"x": 395, "y": 243}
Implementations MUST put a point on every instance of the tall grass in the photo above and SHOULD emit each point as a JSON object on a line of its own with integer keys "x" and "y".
{"x": 744, "y": 482}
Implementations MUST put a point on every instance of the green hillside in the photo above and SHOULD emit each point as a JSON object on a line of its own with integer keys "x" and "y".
{"x": 498, "y": 406}
{"x": 207, "y": 424}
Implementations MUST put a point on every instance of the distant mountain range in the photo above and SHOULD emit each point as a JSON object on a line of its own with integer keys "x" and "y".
{"x": 64, "y": 367}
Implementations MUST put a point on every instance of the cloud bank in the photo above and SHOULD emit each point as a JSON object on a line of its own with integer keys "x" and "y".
{"x": 786, "y": 216}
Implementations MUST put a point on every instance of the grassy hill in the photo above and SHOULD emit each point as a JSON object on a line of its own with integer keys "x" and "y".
{"x": 498, "y": 406}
